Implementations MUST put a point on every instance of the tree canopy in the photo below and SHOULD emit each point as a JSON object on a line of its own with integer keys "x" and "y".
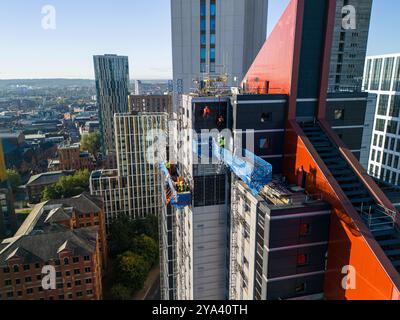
{"x": 68, "y": 186}
{"x": 91, "y": 142}
{"x": 134, "y": 243}
{"x": 13, "y": 178}
{"x": 131, "y": 270}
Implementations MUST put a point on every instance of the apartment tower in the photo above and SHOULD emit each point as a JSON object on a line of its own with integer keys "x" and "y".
{"x": 349, "y": 45}
{"x": 382, "y": 78}
{"x": 214, "y": 37}
{"x": 112, "y": 83}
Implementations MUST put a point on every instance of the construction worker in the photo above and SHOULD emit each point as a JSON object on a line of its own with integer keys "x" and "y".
{"x": 169, "y": 166}
{"x": 206, "y": 112}
{"x": 221, "y": 142}
{"x": 181, "y": 186}
{"x": 220, "y": 121}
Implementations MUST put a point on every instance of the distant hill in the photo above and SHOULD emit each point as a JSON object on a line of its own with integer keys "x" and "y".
{"x": 48, "y": 83}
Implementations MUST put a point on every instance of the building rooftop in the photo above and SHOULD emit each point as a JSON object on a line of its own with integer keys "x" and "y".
{"x": 47, "y": 246}
{"x": 42, "y": 235}
{"x": 278, "y": 194}
{"x": 48, "y": 178}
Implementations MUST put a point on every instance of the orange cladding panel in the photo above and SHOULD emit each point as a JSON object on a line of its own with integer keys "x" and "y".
{"x": 348, "y": 244}
{"x": 274, "y": 62}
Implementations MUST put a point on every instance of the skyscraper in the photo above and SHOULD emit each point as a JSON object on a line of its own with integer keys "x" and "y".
{"x": 382, "y": 77}
{"x": 215, "y": 37}
{"x": 134, "y": 189}
{"x": 112, "y": 83}
{"x": 349, "y": 45}
{"x": 320, "y": 218}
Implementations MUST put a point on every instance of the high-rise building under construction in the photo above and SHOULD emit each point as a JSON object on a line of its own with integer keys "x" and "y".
{"x": 317, "y": 221}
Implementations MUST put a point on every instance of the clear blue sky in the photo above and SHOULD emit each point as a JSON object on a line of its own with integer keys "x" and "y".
{"x": 137, "y": 28}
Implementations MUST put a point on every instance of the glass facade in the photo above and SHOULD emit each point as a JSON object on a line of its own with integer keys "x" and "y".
{"x": 207, "y": 53}
{"x": 387, "y": 74}
{"x": 376, "y": 74}
{"x": 384, "y": 76}
{"x": 203, "y": 35}
{"x": 112, "y": 81}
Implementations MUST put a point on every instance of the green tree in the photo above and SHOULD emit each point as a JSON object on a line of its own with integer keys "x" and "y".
{"x": 147, "y": 248}
{"x": 131, "y": 270}
{"x": 52, "y": 192}
{"x": 121, "y": 292}
{"x": 122, "y": 231}
{"x": 91, "y": 142}
{"x": 14, "y": 178}
{"x": 68, "y": 186}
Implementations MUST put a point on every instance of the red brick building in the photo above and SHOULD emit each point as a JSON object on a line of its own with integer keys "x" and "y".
{"x": 68, "y": 234}
{"x": 70, "y": 157}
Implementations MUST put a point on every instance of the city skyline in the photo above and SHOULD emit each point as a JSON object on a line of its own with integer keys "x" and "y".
{"x": 82, "y": 25}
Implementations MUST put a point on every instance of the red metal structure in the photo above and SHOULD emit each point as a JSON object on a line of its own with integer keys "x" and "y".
{"x": 295, "y": 61}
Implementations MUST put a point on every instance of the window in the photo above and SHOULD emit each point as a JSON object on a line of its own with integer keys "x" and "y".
{"x": 203, "y": 54}
{"x": 396, "y": 83}
{"x": 373, "y": 155}
{"x": 87, "y": 270}
{"x": 28, "y": 279}
{"x": 380, "y": 125}
{"x": 89, "y": 292}
{"x": 302, "y": 260}
{"x": 79, "y": 294}
{"x": 203, "y": 39}
{"x": 213, "y": 8}
{"x": 301, "y": 288}
{"x": 305, "y": 229}
{"x": 29, "y": 291}
{"x": 265, "y": 143}
{"x": 203, "y": 25}
{"x": 266, "y": 116}
{"x": 16, "y": 268}
{"x": 86, "y": 258}
{"x": 66, "y": 261}
{"x": 78, "y": 282}
{"x": 87, "y": 281}
{"x": 392, "y": 127}
{"x": 376, "y": 74}
{"x": 77, "y": 271}
{"x": 339, "y": 114}
{"x": 203, "y": 8}
{"x": 212, "y": 39}
{"x": 383, "y": 104}
{"x": 387, "y": 74}
{"x": 6, "y": 270}
{"x": 212, "y": 54}
{"x": 395, "y": 107}
{"x": 26, "y": 267}
{"x": 75, "y": 259}
{"x": 367, "y": 74}
{"x": 8, "y": 283}
{"x": 67, "y": 273}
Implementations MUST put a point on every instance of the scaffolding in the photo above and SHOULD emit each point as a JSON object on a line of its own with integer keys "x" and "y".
{"x": 177, "y": 191}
